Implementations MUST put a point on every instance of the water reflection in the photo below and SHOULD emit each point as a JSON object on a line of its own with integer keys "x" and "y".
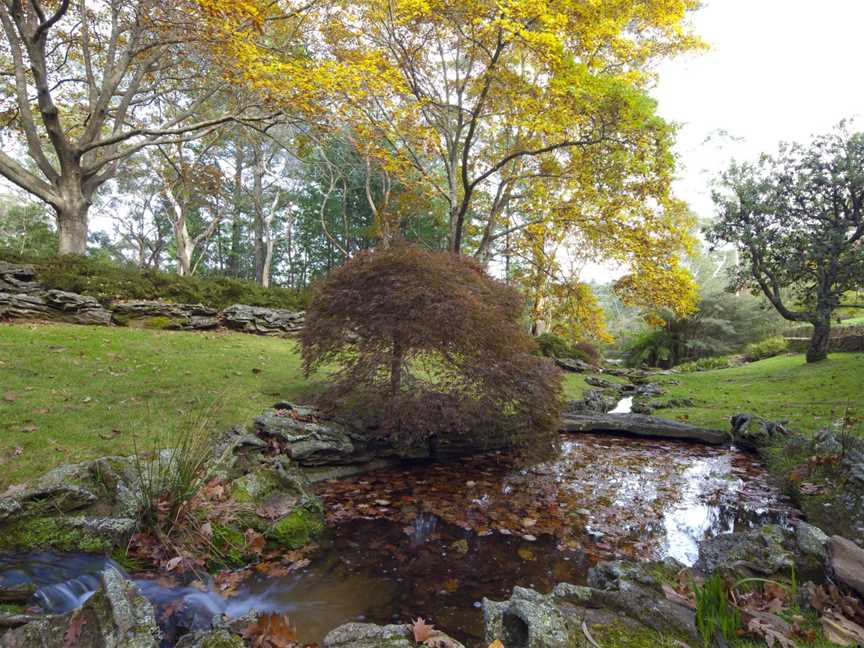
{"x": 448, "y": 535}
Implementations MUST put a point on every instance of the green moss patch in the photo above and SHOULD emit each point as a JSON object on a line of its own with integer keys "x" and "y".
{"x": 42, "y": 532}
{"x": 619, "y": 635}
{"x": 297, "y": 529}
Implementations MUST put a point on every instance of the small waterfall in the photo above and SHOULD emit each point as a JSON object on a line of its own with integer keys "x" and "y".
{"x": 624, "y": 406}
{"x": 68, "y": 595}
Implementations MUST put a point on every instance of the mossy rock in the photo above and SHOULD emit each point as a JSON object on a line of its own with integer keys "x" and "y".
{"x": 54, "y": 532}
{"x": 298, "y": 528}
{"x": 254, "y": 487}
{"x": 621, "y": 635}
{"x": 222, "y": 639}
{"x": 230, "y": 542}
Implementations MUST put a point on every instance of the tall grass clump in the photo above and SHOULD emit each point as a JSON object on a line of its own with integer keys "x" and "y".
{"x": 172, "y": 471}
{"x": 714, "y": 612}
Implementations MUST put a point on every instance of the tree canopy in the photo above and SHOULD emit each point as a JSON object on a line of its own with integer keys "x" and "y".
{"x": 797, "y": 221}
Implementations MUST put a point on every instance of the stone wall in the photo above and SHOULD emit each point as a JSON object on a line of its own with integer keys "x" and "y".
{"x": 23, "y": 297}
{"x": 837, "y": 344}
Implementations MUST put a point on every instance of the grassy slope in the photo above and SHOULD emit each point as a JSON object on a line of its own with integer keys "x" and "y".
{"x": 781, "y": 388}
{"x": 88, "y": 390}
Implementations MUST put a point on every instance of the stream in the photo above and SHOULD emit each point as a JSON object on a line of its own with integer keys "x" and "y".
{"x": 433, "y": 540}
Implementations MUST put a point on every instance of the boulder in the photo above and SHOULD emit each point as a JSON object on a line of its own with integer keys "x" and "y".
{"x": 593, "y": 401}
{"x": 811, "y": 541}
{"x": 55, "y": 305}
{"x": 602, "y": 383}
{"x": 574, "y": 364}
{"x": 262, "y": 321}
{"x": 847, "y": 563}
{"x": 527, "y": 620}
{"x": 117, "y": 616}
{"x": 368, "y": 635}
{"x": 15, "y": 278}
{"x": 642, "y": 425}
{"x": 751, "y": 432}
{"x": 162, "y": 315}
{"x": 307, "y": 437}
{"x": 758, "y": 551}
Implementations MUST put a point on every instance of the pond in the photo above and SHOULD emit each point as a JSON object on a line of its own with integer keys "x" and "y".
{"x": 433, "y": 540}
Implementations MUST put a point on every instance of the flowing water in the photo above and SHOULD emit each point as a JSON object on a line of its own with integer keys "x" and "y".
{"x": 433, "y": 540}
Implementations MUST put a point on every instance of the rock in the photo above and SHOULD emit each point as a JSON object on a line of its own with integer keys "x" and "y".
{"x": 602, "y": 383}
{"x": 641, "y": 425}
{"x": 811, "y": 540}
{"x": 45, "y": 497}
{"x": 673, "y": 403}
{"x": 641, "y": 407}
{"x": 54, "y": 305}
{"x": 847, "y": 563}
{"x": 759, "y": 551}
{"x": 649, "y": 389}
{"x": 16, "y": 278}
{"x": 163, "y": 315}
{"x": 262, "y": 321}
{"x": 751, "y": 432}
{"x": 308, "y": 438}
{"x": 221, "y": 638}
{"x": 574, "y": 364}
{"x": 593, "y": 401}
{"x": 117, "y": 616}
{"x": 368, "y": 635}
{"x": 16, "y": 593}
{"x": 527, "y": 620}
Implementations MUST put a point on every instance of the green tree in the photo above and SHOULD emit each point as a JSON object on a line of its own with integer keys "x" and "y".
{"x": 797, "y": 220}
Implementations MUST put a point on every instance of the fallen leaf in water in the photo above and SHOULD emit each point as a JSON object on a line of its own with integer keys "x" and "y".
{"x": 271, "y": 631}
{"x": 496, "y": 644}
{"x": 526, "y": 554}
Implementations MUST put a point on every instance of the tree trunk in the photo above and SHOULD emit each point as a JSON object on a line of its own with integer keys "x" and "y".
{"x": 237, "y": 222}
{"x": 818, "y": 349}
{"x": 72, "y": 229}
{"x": 268, "y": 263}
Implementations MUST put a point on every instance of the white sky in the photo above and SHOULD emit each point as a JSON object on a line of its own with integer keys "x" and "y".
{"x": 777, "y": 70}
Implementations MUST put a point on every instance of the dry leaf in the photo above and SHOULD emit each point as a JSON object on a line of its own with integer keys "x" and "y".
{"x": 73, "y": 630}
{"x": 496, "y": 644}
{"x": 422, "y": 630}
{"x": 841, "y": 631}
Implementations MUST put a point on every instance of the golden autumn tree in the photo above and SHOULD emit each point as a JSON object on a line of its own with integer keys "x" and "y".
{"x": 528, "y": 120}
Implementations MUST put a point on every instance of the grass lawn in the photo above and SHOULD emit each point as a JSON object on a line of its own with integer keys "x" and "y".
{"x": 70, "y": 393}
{"x": 784, "y": 388}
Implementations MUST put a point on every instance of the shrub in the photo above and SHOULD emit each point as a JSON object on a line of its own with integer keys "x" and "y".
{"x": 707, "y": 364}
{"x": 767, "y": 348}
{"x": 429, "y": 345}
{"x": 554, "y": 346}
{"x": 107, "y": 282}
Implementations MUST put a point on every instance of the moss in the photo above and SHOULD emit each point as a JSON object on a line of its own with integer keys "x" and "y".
{"x": 230, "y": 543}
{"x": 297, "y": 529}
{"x": 11, "y": 608}
{"x": 38, "y": 533}
{"x": 619, "y": 635}
{"x": 222, "y": 639}
{"x": 161, "y": 323}
{"x": 253, "y": 487}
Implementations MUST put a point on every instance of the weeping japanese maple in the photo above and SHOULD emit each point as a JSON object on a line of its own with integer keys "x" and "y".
{"x": 429, "y": 346}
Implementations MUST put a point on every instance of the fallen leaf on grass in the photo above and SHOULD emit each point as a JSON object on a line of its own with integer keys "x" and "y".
{"x": 28, "y": 428}
{"x": 113, "y": 434}
{"x": 9, "y": 397}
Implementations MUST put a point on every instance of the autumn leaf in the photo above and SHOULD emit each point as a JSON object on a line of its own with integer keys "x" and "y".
{"x": 255, "y": 542}
{"x": 422, "y": 630}
{"x": 73, "y": 630}
{"x": 496, "y": 644}
{"x": 271, "y": 631}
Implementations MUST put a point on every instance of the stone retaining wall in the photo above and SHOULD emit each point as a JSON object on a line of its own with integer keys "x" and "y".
{"x": 838, "y": 344}
{"x": 23, "y": 297}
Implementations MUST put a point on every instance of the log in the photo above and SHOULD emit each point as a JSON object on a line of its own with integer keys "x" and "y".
{"x": 643, "y": 426}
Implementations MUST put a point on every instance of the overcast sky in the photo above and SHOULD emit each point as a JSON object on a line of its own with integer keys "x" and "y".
{"x": 777, "y": 70}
